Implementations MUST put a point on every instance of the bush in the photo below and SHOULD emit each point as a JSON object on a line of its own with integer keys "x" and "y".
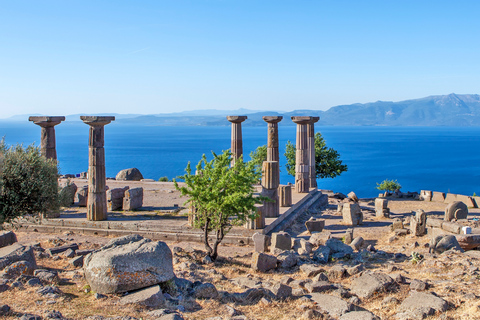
{"x": 28, "y": 182}
{"x": 389, "y": 185}
{"x": 163, "y": 179}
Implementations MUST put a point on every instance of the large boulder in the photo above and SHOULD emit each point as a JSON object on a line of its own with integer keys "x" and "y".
{"x": 420, "y": 304}
{"x": 132, "y": 174}
{"x": 16, "y": 252}
{"x": 442, "y": 243}
{"x": 128, "y": 263}
{"x": 7, "y": 238}
{"x": 456, "y": 210}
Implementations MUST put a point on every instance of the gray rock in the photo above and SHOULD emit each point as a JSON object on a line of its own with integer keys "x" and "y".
{"x": 281, "y": 240}
{"x": 263, "y": 262}
{"x": 319, "y": 238}
{"x": 316, "y": 225}
{"x": 16, "y": 252}
{"x": 28, "y": 316}
{"x": 281, "y": 291}
{"x": 359, "y": 315}
{"x": 354, "y": 270}
{"x": 4, "y": 309}
{"x": 131, "y": 174}
{"x": 81, "y": 196}
{"x": 442, "y": 243}
{"x": 319, "y": 286}
{"x": 133, "y": 199}
{"x": 418, "y": 285}
{"x": 69, "y": 253}
{"x": 349, "y": 236}
{"x": 456, "y": 210}
{"x": 287, "y": 259}
{"x": 18, "y": 268}
{"x": 47, "y": 276}
{"x": 397, "y": 224}
{"x": 171, "y": 316}
{"x": 421, "y": 304}
{"x": 128, "y": 263}
{"x": 253, "y": 295}
{"x": 322, "y": 254}
{"x": 338, "y": 247}
{"x": 4, "y": 286}
{"x": 320, "y": 277}
{"x": 53, "y": 315}
{"x": 334, "y": 306}
{"x": 60, "y": 249}
{"x": 77, "y": 262}
{"x": 83, "y": 252}
{"x": 367, "y": 285}
{"x": 149, "y": 297}
{"x": 206, "y": 291}
{"x": 34, "y": 282}
{"x": 244, "y": 282}
{"x": 357, "y": 243}
{"x": 115, "y": 198}
{"x": 67, "y": 194}
{"x": 352, "y": 214}
{"x": 7, "y": 238}
{"x": 337, "y": 271}
{"x": 261, "y": 242}
{"x": 48, "y": 290}
{"x": 310, "y": 270}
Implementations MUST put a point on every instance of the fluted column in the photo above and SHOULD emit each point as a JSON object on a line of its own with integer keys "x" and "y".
{"x": 47, "y": 140}
{"x": 311, "y": 151}
{"x": 272, "y": 140}
{"x": 270, "y": 185}
{"x": 302, "y": 157}
{"x": 237, "y": 144}
{"x": 97, "y": 197}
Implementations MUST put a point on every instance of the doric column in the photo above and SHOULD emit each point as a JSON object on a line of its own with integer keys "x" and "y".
{"x": 302, "y": 157}
{"x": 47, "y": 145}
{"x": 272, "y": 140}
{"x": 97, "y": 197}
{"x": 311, "y": 151}
{"x": 237, "y": 144}
{"x": 270, "y": 185}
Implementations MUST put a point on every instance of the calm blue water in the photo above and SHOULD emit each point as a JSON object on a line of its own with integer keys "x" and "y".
{"x": 436, "y": 158}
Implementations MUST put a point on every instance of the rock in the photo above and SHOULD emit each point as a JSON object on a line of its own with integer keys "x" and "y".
{"x": 348, "y": 236}
{"x": 389, "y": 300}
{"x": 83, "y": 252}
{"x": 60, "y": 249}
{"x": 456, "y": 210}
{"x": 337, "y": 271}
{"x": 357, "y": 243}
{"x": 47, "y": 290}
{"x": 367, "y": 285}
{"x": 442, "y": 243}
{"x": 34, "y": 282}
{"x": 206, "y": 291}
{"x": 281, "y": 291}
{"x": 352, "y": 214}
{"x": 418, "y": 223}
{"x": 381, "y": 208}
{"x": 151, "y": 297}
{"x": 47, "y": 276}
{"x": 320, "y": 277}
{"x": 310, "y": 270}
{"x": 281, "y": 240}
{"x": 16, "y": 252}
{"x": 401, "y": 232}
{"x": 133, "y": 199}
{"x": 7, "y": 238}
{"x": 77, "y": 262}
{"x": 338, "y": 248}
{"x": 244, "y": 282}
{"x": 418, "y": 285}
{"x": 115, "y": 198}
{"x": 81, "y": 196}
{"x": 319, "y": 286}
{"x": 4, "y": 309}
{"x": 132, "y": 174}
{"x": 452, "y": 227}
{"x": 263, "y": 262}
{"x": 54, "y": 315}
{"x": 334, "y": 306}
{"x": 354, "y": 270}
{"x": 261, "y": 242}
{"x": 322, "y": 254}
{"x": 69, "y": 253}
{"x": 313, "y": 224}
{"x": 420, "y": 304}
{"x": 352, "y": 196}
{"x": 359, "y": 315}
{"x": 253, "y": 295}
{"x": 319, "y": 238}
{"x": 397, "y": 224}
{"x": 425, "y": 195}
{"x": 28, "y": 316}
{"x": 18, "y": 268}
{"x": 67, "y": 194}
{"x": 287, "y": 259}
{"x": 171, "y": 316}
{"x": 128, "y": 263}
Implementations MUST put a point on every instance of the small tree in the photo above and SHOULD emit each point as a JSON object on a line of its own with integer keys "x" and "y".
{"x": 28, "y": 182}
{"x": 389, "y": 185}
{"x": 222, "y": 196}
{"x": 327, "y": 160}
{"x": 258, "y": 156}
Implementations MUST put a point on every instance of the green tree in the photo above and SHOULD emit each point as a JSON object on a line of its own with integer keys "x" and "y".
{"x": 222, "y": 196}
{"x": 258, "y": 156}
{"x": 389, "y": 185}
{"x": 28, "y": 182}
{"x": 327, "y": 160}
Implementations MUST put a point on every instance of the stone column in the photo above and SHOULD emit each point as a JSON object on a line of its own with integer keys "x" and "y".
{"x": 237, "y": 144}
{"x": 302, "y": 158}
{"x": 97, "y": 197}
{"x": 272, "y": 140}
{"x": 47, "y": 145}
{"x": 311, "y": 151}
{"x": 270, "y": 188}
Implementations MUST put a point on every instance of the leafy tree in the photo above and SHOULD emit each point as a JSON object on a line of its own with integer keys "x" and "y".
{"x": 389, "y": 185}
{"x": 222, "y": 196}
{"x": 327, "y": 160}
{"x": 258, "y": 156}
{"x": 28, "y": 182}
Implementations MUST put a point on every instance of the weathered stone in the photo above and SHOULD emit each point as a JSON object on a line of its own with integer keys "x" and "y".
{"x": 302, "y": 156}
{"x": 359, "y": 315}
{"x": 319, "y": 238}
{"x": 397, "y": 224}
{"x": 319, "y": 286}
{"x": 206, "y": 291}
{"x": 311, "y": 152}
{"x": 7, "y": 238}
{"x": 348, "y": 236}
{"x": 272, "y": 140}
{"x": 287, "y": 259}
{"x": 67, "y": 194}
{"x": 77, "y": 262}
{"x": 320, "y": 277}
{"x": 418, "y": 285}
{"x": 16, "y": 252}
{"x": 322, "y": 254}
{"x": 337, "y": 246}
{"x": 253, "y": 224}
{"x": 60, "y": 249}
{"x": 151, "y": 297}
{"x": 281, "y": 240}
{"x": 237, "y": 142}
{"x": 425, "y": 195}
{"x": 81, "y": 196}
{"x": 357, "y": 243}
{"x": 420, "y": 304}
{"x": 47, "y": 141}
{"x": 28, "y": 316}
{"x": 263, "y": 262}
{"x": 18, "y": 268}
{"x": 336, "y": 272}
{"x": 456, "y": 210}
{"x": 433, "y": 222}
{"x": 261, "y": 242}
{"x": 352, "y": 214}
{"x": 354, "y": 270}
{"x": 468, "y": 201}
{"x": 381, "y": 208}
{"x": 339, "y": 208}
{"x": 115, "y": 198}
{"x": 442, "y": 243}
{"x": 271, "y": 209}
{"x": 316, "y": 225}
{"x": 285, "y": 195}
{"x": 352, "y": 196}
{"x": 438, "y": 196}
{"x": 452, "y": 227}
{"x": 367, "y": 285}
{"x": 469, "y": 242}
{"x": 334, "y": 306}
{"x": 131, "y": 174}
{"x": 418, "y": 223}
{"x": 47, "y": 276}
{"x": 128, "y": 263}
{"x": 310, "y": 270}
{"x": 133, "y": 199}
{"x": 281, "y": 291}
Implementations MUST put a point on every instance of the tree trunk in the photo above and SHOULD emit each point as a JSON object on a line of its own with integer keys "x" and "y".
{"x": 205, "y": 239}
{"x": 219, "y": 239}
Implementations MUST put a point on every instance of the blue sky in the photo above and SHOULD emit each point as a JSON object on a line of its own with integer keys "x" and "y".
{"x": 65, "y": 57}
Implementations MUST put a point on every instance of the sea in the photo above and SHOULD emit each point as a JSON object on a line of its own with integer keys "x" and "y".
{"x": 443, "y": 159}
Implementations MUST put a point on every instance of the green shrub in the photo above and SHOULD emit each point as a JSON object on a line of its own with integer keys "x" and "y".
{"x": 28, "y": 182}
{"x": 163, "y": 179}
{"x": 389, "y": 185}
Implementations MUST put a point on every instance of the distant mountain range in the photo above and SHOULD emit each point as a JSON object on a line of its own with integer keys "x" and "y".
{"x": 446, "y": 110}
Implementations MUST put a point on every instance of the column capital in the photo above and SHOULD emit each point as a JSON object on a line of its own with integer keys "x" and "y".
{"x": 272, "y": 119}
{"x": 236, "y": 119}
{"x": 302, "y": 119}
{"x": 314, "y": 119}
{"x": 97, "y": 120}
{"x": 46, "y": 121}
